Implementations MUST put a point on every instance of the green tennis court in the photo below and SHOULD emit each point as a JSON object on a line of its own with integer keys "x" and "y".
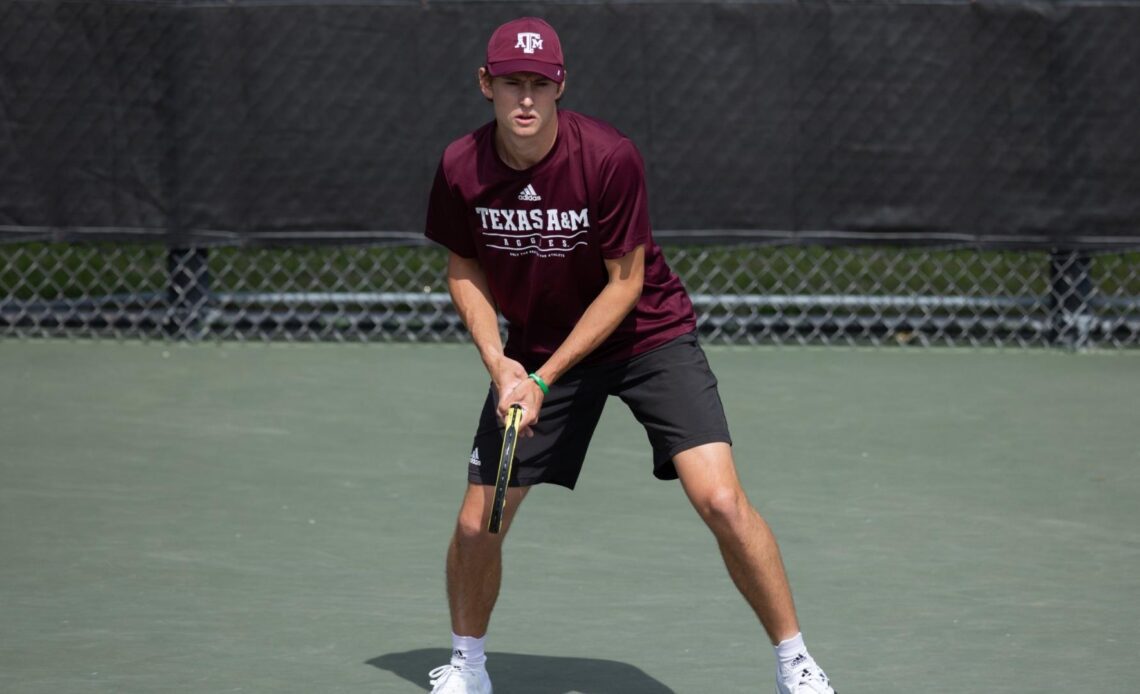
{"x": 273, "y": 518}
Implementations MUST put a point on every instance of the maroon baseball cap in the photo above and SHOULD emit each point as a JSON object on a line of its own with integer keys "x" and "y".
{"x": 527, "y": 44}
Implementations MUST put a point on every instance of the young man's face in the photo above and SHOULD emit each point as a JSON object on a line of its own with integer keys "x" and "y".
{"x": 525, "y": 102}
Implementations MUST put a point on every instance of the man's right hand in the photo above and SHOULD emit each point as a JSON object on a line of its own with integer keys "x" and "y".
{"x": 507, "y": 375}
{"x": 516, "y": 388}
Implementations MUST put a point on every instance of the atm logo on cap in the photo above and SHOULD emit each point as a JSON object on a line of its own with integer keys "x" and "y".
{"x": 529, "y": 41}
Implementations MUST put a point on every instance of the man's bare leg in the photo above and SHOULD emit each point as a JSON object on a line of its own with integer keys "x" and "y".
{"x": 747, "y": 544}
{"x": 475, "y": 560}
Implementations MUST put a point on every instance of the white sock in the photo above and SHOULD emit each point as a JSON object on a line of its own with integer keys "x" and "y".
{"x": 788, "y": 651}
{"x": 467, "y": 651}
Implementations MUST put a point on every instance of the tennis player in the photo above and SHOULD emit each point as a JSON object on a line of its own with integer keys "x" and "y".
{"x": 545, "y": 215}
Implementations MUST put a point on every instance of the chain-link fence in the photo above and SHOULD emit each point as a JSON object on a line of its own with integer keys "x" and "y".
{"x": 259, "y": 164}
{"x": 744, "y": 294}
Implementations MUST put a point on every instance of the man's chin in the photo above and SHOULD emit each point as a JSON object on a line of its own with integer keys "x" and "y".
{"x": 524, "y": 133}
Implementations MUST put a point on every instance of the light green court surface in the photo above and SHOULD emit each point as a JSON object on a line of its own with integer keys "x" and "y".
{"x": 273, "y": 518}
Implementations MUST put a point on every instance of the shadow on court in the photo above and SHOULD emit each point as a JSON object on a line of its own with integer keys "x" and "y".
{"x": 533, "y": 674}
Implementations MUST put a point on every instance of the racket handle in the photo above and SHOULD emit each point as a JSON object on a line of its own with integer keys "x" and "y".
{"x": 506, "y": 463}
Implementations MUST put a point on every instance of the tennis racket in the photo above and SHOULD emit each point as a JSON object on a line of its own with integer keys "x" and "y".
{"x": 506, "y": 462}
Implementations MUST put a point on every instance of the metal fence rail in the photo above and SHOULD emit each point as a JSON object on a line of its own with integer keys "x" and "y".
{"x": 744, "y": 294}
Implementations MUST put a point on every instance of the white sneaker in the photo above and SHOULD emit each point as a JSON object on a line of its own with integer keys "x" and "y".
{"x": 803, "y": 676}
{"x": 453, "y": 679}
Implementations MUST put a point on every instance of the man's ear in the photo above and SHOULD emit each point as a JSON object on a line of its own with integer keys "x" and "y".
{"x": 484, "y": 79}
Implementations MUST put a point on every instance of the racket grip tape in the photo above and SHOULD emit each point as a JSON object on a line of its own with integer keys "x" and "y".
{"x": 506, "y": 463}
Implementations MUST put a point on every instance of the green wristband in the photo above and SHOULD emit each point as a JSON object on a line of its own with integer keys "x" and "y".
{"x": 541, "y": 383}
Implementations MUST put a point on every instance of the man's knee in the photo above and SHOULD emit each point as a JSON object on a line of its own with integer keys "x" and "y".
{"x": 723, "y": 506}
{"x": 471, "y": 527}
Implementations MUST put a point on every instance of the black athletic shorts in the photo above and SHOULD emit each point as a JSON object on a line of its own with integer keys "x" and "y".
{"x": 671, "y": 391}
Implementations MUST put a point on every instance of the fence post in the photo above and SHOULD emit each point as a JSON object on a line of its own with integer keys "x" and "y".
{"x": 1070, "y": 294}
{"x": 188, "y": 291}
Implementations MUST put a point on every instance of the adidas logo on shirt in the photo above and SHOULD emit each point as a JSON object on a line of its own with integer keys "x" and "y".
{"x": 475, "y": 458}
{"x": 529, "y": 194}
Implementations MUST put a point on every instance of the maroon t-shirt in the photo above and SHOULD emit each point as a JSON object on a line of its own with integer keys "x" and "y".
{"x": 541, "y": 235}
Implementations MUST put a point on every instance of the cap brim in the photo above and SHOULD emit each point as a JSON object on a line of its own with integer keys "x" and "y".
{"x": 506, "y": 67}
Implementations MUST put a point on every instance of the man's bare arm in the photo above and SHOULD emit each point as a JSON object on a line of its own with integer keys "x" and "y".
{"x": 471, "y": 296}
{"x": 602, "y": 316}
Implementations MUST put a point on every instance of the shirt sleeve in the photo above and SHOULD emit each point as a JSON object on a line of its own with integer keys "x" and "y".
{"x": 623, "y": 206}
{"x": 446, "y": 217}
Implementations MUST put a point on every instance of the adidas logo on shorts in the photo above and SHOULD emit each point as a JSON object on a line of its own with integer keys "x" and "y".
{"x": 529, "y": 194}
{"x": 475, "y": 458}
